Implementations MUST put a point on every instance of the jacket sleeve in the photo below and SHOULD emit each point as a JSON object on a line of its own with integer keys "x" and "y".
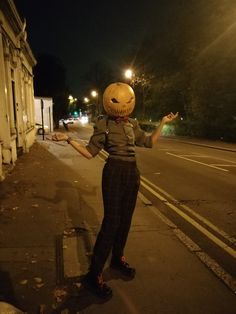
{"x": 98, "y": 139}
{"x": 141, "y": 137}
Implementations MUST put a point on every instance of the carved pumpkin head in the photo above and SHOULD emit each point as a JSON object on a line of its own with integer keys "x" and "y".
{"x": 118, "y": 100}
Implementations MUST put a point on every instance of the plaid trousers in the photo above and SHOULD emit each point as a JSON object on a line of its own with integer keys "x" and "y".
{"x": 120, "y": 185}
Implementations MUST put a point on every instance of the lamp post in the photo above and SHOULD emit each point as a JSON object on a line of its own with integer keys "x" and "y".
{"x": 72, "y": 104}
{"x": 94, "y": 94}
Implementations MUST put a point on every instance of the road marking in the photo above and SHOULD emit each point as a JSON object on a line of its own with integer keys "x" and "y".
{"x": 194, "y": 223}
{"x": 198, "y": 162}
{"x": 223, "y": 159}
{"x": 194, "y": 155}
{"x": 195, "y": 248}
{"x": 192, "y": 212}
{"x": 101, "y": 157}
{"x": 104, "y": 153}
{"x": 223, "y": 165}
{"x": 203, "y": 145}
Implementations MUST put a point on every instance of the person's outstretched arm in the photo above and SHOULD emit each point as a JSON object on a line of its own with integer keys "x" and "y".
{"x": 80, "y": 148}
{"x": 166, "y": 119}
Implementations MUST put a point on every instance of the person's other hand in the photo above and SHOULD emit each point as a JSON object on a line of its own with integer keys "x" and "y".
{"x": 170, "y": 117}
{"x": 59, "y": 137}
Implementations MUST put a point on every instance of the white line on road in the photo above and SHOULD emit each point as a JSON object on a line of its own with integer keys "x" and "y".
{"x": 194, "y": 155}
{"x": 223, "y": 159}
{"x": 194, "y": 248}
{"x": 194, "y": 223}
{"x": 198, "y": 162}
{"x": 193, "y": 213}
{"x": 223, "y": 165}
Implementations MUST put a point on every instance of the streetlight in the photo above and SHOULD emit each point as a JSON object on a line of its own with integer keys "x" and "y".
{"x": 94, "y": 94}
{"x": 71, "y": 99}
{"x": 86, "y": 100}
{"x": 129, "y": 74}
{"x": 72, "y": 103}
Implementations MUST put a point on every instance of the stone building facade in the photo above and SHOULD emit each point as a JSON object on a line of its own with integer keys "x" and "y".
{"x": 17, "y": 121}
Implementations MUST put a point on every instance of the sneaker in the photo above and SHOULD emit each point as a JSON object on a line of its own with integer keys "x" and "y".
{"x": 121, "y": 265}
{"x": 96, "y": 285}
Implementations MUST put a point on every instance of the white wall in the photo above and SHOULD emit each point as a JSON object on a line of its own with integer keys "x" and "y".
{"x": 47, "y": 111}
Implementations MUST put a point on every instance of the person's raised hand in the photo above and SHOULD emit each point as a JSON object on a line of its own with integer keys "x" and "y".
{"x": 59, "y": 137}
{"x": 170, "y": 117}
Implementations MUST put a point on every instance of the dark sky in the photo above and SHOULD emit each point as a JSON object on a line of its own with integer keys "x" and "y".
{"x": 83, "y": 32}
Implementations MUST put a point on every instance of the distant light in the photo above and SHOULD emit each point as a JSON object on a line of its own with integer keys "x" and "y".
{"x": 84, "y": 119}
{"x": 94, "y": 93}
{"x": 181, "y": 118}
{"x": 128, "y": 74}
{"x": 86, "y": 99}
{"x": 150, "y": 120}
{"x": 70, "y": 97}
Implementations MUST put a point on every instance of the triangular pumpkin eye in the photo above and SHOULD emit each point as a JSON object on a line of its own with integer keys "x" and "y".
{"x": 131, "y": 99}
{"x": 114, "y": 101}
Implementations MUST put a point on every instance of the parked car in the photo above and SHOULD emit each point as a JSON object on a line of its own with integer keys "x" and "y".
{"x": 70, "y": 121}
{"x": 39, "y": 129}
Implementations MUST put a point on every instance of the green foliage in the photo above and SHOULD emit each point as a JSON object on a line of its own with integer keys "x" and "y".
{"x": 191, "y": 56}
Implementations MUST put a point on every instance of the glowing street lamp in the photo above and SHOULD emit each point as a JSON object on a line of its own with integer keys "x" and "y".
{"x": 129, "y": 74}
{"x": 86, "y": 100}
{"x": 94, "y": 93}
{"x": 72, "y": 100}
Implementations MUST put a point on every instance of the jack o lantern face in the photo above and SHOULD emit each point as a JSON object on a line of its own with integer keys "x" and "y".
{"x": 118, "y": 100}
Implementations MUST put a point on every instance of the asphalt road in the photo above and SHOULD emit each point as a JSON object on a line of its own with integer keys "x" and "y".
{"x": 199, "y": 182}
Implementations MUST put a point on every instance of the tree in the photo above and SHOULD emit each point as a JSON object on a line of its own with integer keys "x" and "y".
{"x": 142, "y": 84}
{"x": 192, "y": 55}
{"x": 98, "y": 77}
{"x": 50, "y": 81}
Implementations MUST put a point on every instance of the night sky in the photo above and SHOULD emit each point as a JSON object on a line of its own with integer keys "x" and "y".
{"x": 81, "y": 33}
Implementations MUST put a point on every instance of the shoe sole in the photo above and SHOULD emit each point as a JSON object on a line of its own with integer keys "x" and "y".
{"x": 87, "y": 286}
{"x": 130, "y": 276}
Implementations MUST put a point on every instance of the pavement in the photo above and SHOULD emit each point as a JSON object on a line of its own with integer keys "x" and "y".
{"x": 50, "y": 213}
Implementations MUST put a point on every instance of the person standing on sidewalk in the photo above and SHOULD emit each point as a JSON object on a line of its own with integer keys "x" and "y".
{"x": 117, "y": 134}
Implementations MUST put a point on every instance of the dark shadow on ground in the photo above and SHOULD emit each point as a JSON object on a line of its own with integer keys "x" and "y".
{"x": 78, "y": 298}
{"x": 6, "y": 288}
